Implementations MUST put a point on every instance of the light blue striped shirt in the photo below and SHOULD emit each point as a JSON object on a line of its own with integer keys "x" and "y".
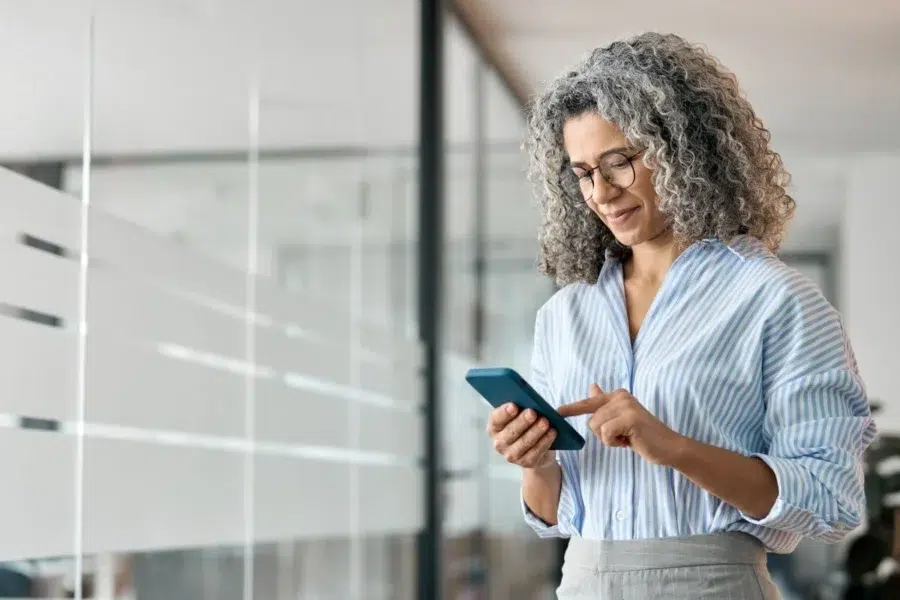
{"x": 737, "y": 350}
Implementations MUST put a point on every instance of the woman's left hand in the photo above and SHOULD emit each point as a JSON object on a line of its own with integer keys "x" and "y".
{"x": 618, "y": 419}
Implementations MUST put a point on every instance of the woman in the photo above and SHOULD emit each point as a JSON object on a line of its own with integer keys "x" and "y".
{"x": 719, "y": 397}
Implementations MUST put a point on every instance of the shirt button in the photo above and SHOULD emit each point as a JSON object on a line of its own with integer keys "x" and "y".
{"x": 620, "y": 515}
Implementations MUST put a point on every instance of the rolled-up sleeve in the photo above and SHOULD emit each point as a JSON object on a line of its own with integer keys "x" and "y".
{"x": 817, "y": 423}
{"x": 565, "y": 515}
{"x": 820, "y": 427}
{"x": 569, "y": 503}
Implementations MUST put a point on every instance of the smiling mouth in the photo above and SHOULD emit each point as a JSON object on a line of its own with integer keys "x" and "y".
{"x": 620, "y": 216}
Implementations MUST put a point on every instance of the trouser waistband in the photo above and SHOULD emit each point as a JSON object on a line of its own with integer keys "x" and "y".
{"x": 695, "y": 551}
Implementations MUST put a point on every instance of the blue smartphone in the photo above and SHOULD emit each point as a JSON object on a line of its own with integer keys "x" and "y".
{"x": 499, "y": 385}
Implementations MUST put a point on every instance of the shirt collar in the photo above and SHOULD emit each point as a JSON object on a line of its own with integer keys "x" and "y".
{"x": 744, "y": 247}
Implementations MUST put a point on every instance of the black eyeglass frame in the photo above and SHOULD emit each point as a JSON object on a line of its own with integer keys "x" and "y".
{"x": 628, "y": 155}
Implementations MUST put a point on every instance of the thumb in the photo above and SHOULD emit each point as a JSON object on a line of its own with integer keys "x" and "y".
{"x": 595, "y": 390}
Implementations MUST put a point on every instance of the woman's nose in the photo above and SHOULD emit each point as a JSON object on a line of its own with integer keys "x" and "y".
{"x": 603, "y": 190}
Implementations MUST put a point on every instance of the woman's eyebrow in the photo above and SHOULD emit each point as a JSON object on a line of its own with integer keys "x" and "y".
{"x": 583, "y": 165}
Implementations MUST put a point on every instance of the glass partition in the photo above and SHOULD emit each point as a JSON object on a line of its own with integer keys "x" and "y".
{"x": 210, "y": 310}
{"x": 253, "y": 218}
{"x": 44, "y": 122}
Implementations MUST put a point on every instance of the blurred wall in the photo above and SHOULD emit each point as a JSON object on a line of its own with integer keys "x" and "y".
{"x": 870, "y": 278}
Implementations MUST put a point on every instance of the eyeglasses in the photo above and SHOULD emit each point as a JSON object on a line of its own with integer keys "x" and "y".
{"x": 616, "y": 168}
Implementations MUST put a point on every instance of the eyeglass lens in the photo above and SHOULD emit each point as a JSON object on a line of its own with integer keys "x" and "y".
{"x": 617, "y": 169}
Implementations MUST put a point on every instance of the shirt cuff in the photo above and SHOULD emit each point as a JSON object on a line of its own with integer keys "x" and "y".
{"x": 536, "y": 523}
{"x": 799, "y": 507}
{"x": 563, "y": 514}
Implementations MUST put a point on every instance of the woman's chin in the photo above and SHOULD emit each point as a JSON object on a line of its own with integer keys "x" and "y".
{"x": 634, "y": 236}
{"x": 628, "y": 238}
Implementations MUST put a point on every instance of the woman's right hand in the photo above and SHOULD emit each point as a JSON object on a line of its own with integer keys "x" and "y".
{"x": 521, "y": 437}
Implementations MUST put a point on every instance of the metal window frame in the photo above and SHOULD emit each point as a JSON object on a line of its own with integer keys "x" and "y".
{"x": 431, "y": 242}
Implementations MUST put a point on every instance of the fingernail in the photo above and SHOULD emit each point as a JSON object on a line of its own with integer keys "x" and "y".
{"x": 529, "y": 414}
{"x": 511, "y": 409}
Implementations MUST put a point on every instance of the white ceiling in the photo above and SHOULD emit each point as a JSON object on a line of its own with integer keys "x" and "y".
{"x": 824, "y": 75}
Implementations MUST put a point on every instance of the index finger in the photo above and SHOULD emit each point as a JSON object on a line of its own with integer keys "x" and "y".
{"x": 501, "y": 416}
{"x": 583, "y": 407}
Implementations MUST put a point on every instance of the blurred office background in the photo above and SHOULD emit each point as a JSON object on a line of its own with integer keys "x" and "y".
{"x": 250, "y": 248}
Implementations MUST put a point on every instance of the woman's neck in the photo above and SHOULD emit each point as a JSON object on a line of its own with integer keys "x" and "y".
{"x": 651, "y": 260}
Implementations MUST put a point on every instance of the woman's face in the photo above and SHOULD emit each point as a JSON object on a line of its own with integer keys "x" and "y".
{"x": 631, "y": 213}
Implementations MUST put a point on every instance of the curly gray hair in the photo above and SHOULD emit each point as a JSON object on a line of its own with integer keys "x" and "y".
{"x": 714, "y": 171}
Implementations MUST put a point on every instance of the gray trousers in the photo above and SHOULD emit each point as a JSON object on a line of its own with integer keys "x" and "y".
{"x": 724, "y": 566}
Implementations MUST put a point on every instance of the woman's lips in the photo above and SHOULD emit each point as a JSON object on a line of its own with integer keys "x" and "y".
{"x": 621, "y": 216}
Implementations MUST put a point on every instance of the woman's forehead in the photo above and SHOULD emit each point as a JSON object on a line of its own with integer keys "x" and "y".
{"x": 590, "y": 135}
